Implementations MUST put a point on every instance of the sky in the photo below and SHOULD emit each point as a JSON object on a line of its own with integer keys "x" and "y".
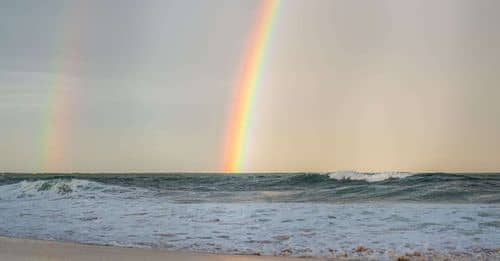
{"x": 140, "y": 86}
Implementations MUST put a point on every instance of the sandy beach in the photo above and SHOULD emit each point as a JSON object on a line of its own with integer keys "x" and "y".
{"x": 15, "y": 249}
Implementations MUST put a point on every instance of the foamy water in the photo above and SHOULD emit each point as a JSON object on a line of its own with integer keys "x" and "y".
{"x": 268, "y": 220}
{"x": 369, "y": 177}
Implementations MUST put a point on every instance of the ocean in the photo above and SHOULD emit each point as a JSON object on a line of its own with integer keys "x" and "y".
{"x": 339, "y": 214}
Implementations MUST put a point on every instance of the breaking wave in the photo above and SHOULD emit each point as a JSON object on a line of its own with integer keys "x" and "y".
{"x": 55, "y": 188}
{"x": 299, "y": 187}
{"x": 370, "y": 177}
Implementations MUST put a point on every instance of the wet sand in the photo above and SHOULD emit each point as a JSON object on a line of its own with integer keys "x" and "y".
{"x": 26, "y": 249}
{"x": 16, "y": 249}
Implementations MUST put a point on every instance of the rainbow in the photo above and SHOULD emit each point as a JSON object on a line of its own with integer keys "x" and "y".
{"x": 236, "y": 146}
{"x": 58, "y": 115}
{"x": 56, "y": 127}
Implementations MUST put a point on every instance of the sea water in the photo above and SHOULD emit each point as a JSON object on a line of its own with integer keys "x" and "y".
{"x": 341, "y": 214}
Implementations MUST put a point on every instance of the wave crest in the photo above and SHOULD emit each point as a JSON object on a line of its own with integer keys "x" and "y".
{"x": 369, "y": 177}
{"x": 52, "y": 188}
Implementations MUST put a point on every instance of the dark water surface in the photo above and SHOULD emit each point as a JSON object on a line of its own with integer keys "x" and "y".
{"x": 302, "y": 187}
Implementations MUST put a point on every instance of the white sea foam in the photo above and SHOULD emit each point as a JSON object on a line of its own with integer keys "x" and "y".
{"x": 54, "y": 188}
{"x": 370, "y": 177}
{"x": 266, "y": 228}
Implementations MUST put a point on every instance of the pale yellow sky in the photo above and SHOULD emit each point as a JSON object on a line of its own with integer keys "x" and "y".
{"x": 361, "y": 85}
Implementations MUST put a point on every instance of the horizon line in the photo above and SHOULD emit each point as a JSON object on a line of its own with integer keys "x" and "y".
{"x": 245, "y": 172}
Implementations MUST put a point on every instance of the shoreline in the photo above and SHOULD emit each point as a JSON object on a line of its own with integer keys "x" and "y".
{"x": 33, "y": 249}
{"x": 20, "y": 249}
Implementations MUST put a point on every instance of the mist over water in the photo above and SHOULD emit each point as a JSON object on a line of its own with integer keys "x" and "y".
{"x": 304, "y": 214}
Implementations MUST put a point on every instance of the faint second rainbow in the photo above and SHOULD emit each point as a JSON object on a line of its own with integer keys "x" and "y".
{"x": 56, "y": 128}
{"x": 249, "y": 80}
{"x": 59, "y": 115}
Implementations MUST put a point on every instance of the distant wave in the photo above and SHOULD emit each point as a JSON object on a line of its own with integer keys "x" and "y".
{"x": 346, "y": 186}
{"x": 369, "y": 177}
